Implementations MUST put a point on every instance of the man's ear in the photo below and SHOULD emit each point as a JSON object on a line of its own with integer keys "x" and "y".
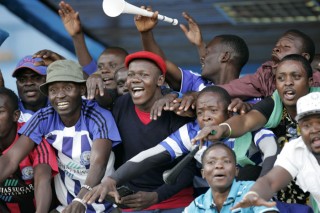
{"x": 306, "y": 55}
{"x": 225, "y": 57}
{"x": 161, "y": 80}
{"x": 16, "y": 115}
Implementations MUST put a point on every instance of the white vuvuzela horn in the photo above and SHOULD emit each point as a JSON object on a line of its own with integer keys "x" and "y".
{"x": 114, "y": 8}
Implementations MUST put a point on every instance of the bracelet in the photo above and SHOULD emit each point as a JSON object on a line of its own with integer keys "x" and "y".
{"x": 228, "y": 125}
{"x": 251, "y": 193}
{"x": 89, "y": 188}
{"x": 80, "y": 201}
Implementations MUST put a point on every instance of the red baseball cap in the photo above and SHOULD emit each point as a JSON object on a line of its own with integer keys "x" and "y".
{"x": 150, "y": 56}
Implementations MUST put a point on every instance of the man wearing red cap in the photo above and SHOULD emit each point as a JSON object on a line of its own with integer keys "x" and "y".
{"x": 146, "y": 73}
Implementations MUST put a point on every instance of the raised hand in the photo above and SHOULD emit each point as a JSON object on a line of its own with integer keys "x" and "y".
{"x": 47, "y": 57}
{"x": 70, "y": 19}
{"x": 193, "y": 32}
{"x": 145, "y": 24}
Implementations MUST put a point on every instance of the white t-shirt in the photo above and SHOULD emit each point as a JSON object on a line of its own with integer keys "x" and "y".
{"x": 296, "y": 158}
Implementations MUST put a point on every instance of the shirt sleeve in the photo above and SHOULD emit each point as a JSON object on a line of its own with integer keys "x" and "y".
{"x": 179, "y": 142}
{"x": 44, "y": 153}
{"x": 191, "y": 81}
{"x": 90, "y": 68}
{"x": 33, "y": 128}
{"x": 265, "y": 107}
{"x": 103, "y": 125}
{"x": 259, "y": 84}
{"x": 286, "y": 159}
{"x": 140, "y": 164}
{"x": 184, "y": 179}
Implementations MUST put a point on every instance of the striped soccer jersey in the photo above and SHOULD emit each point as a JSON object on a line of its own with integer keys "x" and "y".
{"x": 179, "y": 142}
{"x": 73, "y": 145}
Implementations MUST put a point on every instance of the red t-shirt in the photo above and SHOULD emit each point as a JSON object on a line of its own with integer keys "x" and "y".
{"x": 17, "y": 191}
{"x": 143, "y": 116}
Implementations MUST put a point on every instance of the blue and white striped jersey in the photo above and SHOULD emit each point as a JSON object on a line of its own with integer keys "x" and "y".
{"x": 179, "y": 142}
{"x": 73, "y": 145}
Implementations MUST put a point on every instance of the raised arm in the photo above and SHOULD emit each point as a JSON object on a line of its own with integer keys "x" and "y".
{"x": 145, "y": 26}
{"x": 193, "y": 34}
{"x": 72, "y": 23}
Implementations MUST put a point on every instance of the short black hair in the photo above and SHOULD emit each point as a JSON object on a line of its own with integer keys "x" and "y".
{"x": 302, "y": 60}
{"x": 307, "y": 43}
{"x": 226, "y": 98}
{"x": 119, "y": 49}
{"x": 12, "y": 97}
{"x": 215, "y": 144}
{"x": 238, "y": 45}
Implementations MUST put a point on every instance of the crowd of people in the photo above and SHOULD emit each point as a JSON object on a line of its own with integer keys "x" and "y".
{"x": 97, "y": 136}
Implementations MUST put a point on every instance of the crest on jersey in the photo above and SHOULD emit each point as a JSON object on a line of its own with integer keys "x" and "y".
{"x": 85, "y": 158}
{"x": 27, "y": 173}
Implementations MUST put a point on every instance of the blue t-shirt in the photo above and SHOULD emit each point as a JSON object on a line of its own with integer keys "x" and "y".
{"x": 192, "y": 81}
{"x": 205, "y": 203}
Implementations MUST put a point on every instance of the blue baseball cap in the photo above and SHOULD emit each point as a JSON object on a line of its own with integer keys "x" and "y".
{"x": 28, "y": 62}
{"x": 3, "y": 36}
